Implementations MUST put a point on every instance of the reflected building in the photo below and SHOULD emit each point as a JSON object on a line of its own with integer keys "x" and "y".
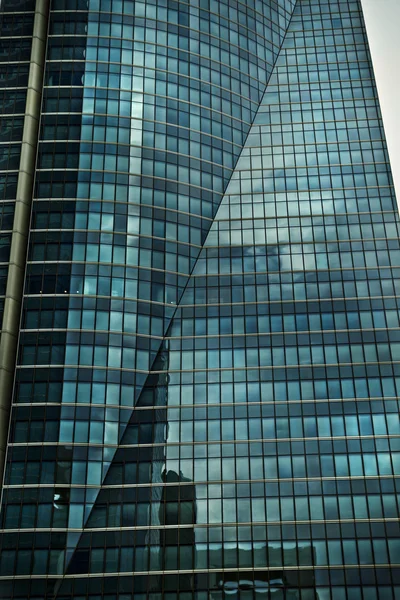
{"x": 178, "y": 514}
{"x": 199, "y": 231}
{"x": 271, "y": 583}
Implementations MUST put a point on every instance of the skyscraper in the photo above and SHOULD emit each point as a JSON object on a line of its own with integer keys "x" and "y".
{"x": 204, "y": 401}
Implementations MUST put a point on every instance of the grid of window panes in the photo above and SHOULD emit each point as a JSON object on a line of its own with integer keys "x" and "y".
{"x": 283, "y": 356}
{"x": 16, "y": 23}
{"x": 146, "y": 108}
{"x": 278, "y": 378}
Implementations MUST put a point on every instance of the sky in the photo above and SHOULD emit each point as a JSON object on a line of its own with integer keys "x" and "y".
{"x": 382, "y": 20}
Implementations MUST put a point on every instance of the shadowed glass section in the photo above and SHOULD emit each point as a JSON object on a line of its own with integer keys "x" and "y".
{"x": 16, "y": 23}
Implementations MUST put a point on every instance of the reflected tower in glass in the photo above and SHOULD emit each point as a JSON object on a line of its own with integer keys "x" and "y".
{"x": 204, "y": 402}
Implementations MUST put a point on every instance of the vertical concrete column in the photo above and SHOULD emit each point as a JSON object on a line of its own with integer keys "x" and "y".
{"x": 22, "y": 217}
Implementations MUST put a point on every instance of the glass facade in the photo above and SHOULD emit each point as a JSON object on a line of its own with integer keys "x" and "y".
{"x": 206, "y": 391}
{"x": 16, "y": 26}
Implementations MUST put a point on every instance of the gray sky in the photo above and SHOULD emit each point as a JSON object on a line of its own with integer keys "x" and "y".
{"x": 382, "y": 20}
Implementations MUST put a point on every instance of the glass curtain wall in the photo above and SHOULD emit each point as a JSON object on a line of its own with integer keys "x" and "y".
{"x": 215, "y": 412}
{"x": 16, "y": 24}
{"x": 146, "y": 108}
